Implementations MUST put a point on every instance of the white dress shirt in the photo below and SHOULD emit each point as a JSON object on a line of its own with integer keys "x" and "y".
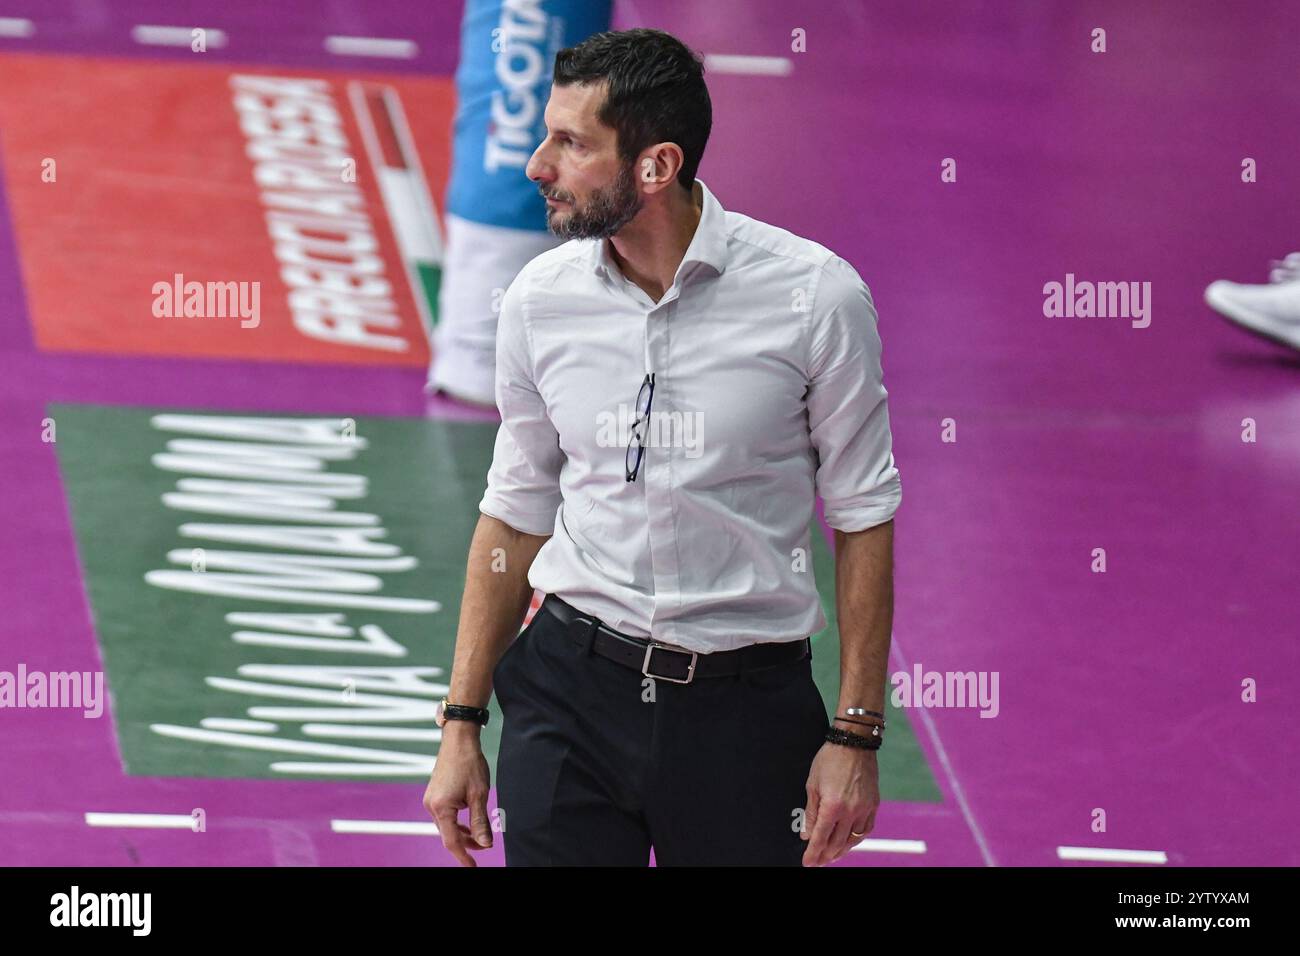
{"x": 768, "y": 385}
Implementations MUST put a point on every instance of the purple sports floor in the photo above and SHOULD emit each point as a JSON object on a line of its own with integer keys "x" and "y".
{"x": 1123, "y": 689}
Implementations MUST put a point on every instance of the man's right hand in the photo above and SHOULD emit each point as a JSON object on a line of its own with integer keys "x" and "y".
{"x": 496, "y": 600}
{"x": 460, "y": 779}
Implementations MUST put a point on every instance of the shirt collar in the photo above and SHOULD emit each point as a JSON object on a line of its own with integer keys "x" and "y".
{"x": 708, "y": 245}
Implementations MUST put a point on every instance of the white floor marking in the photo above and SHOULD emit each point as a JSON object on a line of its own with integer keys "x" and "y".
{"x": 371, "y": 46}
{"x": 1110, "y": 856}
{"x": 748, "y": 65}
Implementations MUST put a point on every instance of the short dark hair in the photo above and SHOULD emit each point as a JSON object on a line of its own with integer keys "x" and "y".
{"x": 656, "y": 91}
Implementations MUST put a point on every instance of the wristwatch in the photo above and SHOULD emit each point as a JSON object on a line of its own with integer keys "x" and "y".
{"x": 446, "y": 711}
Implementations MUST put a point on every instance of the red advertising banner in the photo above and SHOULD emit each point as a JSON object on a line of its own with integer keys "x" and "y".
{"x": 226, "y": 211}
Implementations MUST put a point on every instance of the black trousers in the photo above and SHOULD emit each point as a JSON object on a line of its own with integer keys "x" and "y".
{"x": 597, "y": 764}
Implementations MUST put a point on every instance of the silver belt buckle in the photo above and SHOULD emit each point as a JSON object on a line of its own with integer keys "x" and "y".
{"x": 690, "y": 671}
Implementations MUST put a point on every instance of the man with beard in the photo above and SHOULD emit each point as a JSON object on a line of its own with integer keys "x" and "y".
{"x": 662, "y": 697}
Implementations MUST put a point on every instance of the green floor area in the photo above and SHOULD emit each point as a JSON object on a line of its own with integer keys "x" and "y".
{"x": 304, "y": 638}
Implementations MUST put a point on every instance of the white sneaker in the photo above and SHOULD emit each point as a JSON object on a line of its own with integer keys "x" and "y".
{"x": 1272, "y": 310}
{"x": 1286, "y": 270}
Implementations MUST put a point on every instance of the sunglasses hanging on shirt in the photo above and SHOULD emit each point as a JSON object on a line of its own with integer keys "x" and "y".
{"x": 644, "y": 398}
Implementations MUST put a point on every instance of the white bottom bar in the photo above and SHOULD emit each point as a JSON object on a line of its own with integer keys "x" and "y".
{"x": 397, "y": 827}
{"x": 165, "y": 821}
{"x": 1110, "y": 856}
{"x": 890, "y": 846}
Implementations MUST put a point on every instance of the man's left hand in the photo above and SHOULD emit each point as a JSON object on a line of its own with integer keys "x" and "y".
{"x": 843, "y": 795}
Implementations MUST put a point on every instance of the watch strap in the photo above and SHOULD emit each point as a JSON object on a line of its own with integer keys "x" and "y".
{"x": 464, "y": 712}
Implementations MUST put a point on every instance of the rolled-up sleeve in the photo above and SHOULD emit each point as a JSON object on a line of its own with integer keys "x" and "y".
{"x": 848, "y": 416}
{"x": 523, "y": 484}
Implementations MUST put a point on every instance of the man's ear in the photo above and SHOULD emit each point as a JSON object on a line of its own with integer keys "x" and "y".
{"x": 658, "y": 165}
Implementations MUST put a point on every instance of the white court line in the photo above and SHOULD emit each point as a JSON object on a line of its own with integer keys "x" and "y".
{"x": 372, "y": 46}
{"x": 16, "y": 27}
{"x": 748, "y": 65}
{"x": 398, "y": 827}
{"x": 891, "y": 846}
{"x": 1110, "y": 856}
{"x": 154, "y": 35}
{"x": 347, "y": 732}
{"x": 178, "y": 821}
{"x": 896, "y": 651}
{"x": 411, "y": 828}
{"x": 238, "y": 724}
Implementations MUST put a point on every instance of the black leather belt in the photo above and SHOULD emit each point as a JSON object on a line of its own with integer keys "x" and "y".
{"x": 670, "y": 664}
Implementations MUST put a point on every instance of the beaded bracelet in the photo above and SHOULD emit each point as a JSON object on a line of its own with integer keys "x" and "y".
{"x": 837, "y": 736}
